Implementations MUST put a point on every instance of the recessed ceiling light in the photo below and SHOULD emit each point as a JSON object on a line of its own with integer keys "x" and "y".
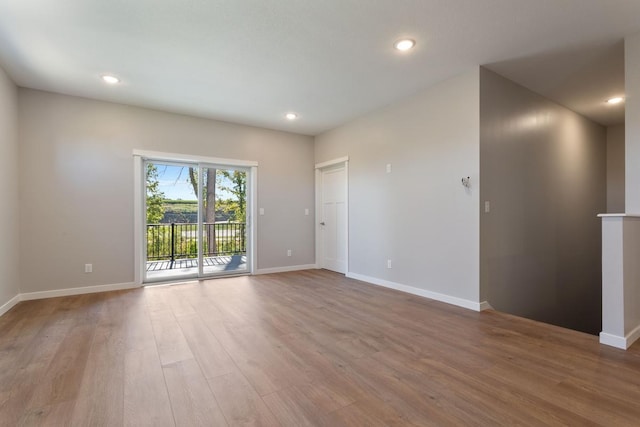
{"x": 616, "y": 100}
{"x": 291, "y": 116}
{"x": 110, "y": 79}
{"x": 404, "y": 44}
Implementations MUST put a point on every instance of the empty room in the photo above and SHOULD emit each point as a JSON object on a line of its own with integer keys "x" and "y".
{"x": 319, "y": 213}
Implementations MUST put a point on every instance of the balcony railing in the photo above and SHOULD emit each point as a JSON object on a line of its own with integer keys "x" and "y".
{"x": 180, "y": 240}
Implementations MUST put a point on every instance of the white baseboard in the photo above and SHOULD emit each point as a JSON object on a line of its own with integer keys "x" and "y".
{"x": 120, "y": 286}
{"x": 618, "y": 341}
{"x": 613, "y": 340}
{"x": 632, "y": 336}
{"x": 484, "y": 305}
{"x": 460, "y": 302}
{"x": 77, "y": 291}
{"x": 285, "y": 269}
{"x": 9, "y": 304}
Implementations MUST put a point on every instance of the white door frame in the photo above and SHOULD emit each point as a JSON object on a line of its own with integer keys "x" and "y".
{"x": 319, "y": 167}
{"x": 139, "y": 156}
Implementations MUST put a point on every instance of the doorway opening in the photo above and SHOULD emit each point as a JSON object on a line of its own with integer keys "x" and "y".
{"x": 195, "y": 220}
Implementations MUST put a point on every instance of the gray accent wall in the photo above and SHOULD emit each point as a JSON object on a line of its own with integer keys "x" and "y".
{"x": 544, "y": 174}
{"x": 419, "y": 215}
{"x": 615, "y": 169}
{"x": 76, "y": 185}
{"x": 9, "y": 239}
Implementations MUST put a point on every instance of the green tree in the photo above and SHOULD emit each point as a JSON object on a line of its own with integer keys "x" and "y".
{"x": 155, "y": 209}
{"x": 228, "y": 208}
{"x": 238, "y": 188}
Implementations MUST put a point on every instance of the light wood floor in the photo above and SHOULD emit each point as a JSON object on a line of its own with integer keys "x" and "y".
{"x": 299, "y": 349}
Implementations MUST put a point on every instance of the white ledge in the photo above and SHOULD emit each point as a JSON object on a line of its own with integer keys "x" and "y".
{"x": 614, "y": 215}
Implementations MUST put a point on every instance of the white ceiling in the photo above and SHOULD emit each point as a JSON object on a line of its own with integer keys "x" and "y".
{"x": 250, "y": 61}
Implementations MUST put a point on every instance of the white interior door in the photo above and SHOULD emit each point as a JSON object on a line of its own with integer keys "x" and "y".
{"x": 333, "y": 218}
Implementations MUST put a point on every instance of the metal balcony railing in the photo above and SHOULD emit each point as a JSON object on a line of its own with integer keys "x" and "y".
{"x": 180, "y": 240}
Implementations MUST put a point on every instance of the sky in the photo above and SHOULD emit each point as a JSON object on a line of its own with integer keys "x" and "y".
{"x": 174, "y": 183}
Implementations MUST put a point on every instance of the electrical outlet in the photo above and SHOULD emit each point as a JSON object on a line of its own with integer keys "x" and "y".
{"x": 288, "y": 252}
{"x": 388, "y": 263}
{"x": 487, "y": 207}
{"x": 88, "y": 268}
{"x": 306, "y": 211}
{"x": 388, "y": 167}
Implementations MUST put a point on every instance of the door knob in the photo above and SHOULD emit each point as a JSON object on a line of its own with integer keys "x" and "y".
{"x": 322, "y": 223}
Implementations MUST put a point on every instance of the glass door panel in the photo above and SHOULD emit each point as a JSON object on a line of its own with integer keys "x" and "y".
{"x": 171, "y": 221}
{"x": 224, "y": 221}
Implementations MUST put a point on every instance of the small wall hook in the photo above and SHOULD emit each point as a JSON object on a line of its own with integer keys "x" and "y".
{"x": 466, "y": 182}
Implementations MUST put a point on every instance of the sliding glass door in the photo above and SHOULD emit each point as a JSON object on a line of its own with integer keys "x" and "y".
{"x": 196, "y": 220}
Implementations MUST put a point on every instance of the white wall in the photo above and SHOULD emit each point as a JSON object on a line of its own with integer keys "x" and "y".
{"x": 615, "y": 169}
{"x": 544, "y": 174}
{"x": 632, "y": 123}
{"x": 9, "y": 241}
{"x": 620, "y": 280}
{"x": 621, "y": 234}
{"x": 76, "y": 185}
{"x": 420, "y": 215}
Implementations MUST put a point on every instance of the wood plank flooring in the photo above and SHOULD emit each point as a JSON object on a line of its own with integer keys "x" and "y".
{"x": 308, "y": 348}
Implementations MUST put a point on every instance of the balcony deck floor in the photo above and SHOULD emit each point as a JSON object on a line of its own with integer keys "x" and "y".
{"x": 161, "y": 270}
